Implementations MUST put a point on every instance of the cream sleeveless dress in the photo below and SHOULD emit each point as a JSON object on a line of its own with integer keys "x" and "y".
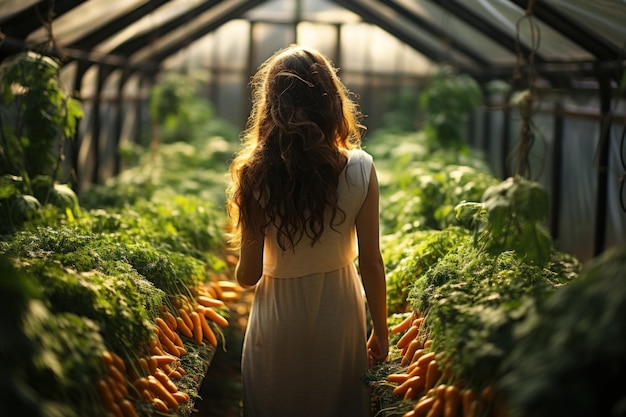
{"x": 305, "y": 346}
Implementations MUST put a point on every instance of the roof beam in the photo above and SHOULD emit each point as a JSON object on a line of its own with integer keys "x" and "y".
{"x": 236, "y": 12}
{"x": 434, "y": 30}
{"x": 138, "y": 42}
{"x": 32, "y": 18}
{"x": 571, "y": 29}
{"x": 483, "y": 25}
{"x": 91, "y": 40}
{"x": 370, "y": 16}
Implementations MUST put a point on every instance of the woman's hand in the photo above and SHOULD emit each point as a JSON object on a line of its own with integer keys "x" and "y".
{"x": 377, "y": 349}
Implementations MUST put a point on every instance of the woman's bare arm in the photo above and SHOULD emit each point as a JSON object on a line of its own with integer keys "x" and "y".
{"x": 250, "y": 266}
{"x": 372, "y": 270}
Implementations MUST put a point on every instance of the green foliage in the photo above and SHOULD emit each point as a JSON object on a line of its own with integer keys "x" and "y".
{"x": 447, "y": 102}
{"x": 408, "y": 255}
{"x": 472, "y": 299}
{"x": 197, "y": 169}
{"x": 47, "y": 359}
{"x": 35, "y": 114}
{"x": 180, "y": 114}
{"x": 400, "y": 111}
{"x": 568, "y": 357}
{"x": 510, "y": 218}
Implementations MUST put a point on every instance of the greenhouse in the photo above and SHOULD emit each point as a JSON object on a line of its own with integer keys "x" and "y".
{"x": 498, "y": 133}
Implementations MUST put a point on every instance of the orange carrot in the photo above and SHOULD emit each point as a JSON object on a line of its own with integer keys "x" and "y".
{"x": 180, "y": 396}
{"x": 452, "y": 401}
{"x": 440, "y": 391}
{"x": 415, "y": 381}
{"x": 403, "y": 325}
{"x": 208, "y": 332}
{"x": 177, "y": 340}
{"x": 182, "y": 312}
{"x": 163, "y": 326}
{"x": 425, "y": 359}
{"x": 116, "y": 374}
{"x": 215, "y": 316}
{"x": 118, "y": 361}
{"x": 141, "y": 383}
{"x": 108, "y": 357}
{"x": 467, "y": 398}
{"x": 406, "y": 338}
{"x": 166, "y": 381}
{"x": 105, "y": 393}
{"x": 207, "y": 301}
{"x": 143, "y": 365}
{"x": 160, "y": 405}
{"x": 168, "y": 345}
{"x": 423, "y": 406}
{"x": 410, "y": 351}
{"x": 170, "y": 319}
{"x": 197, "y": 327}
{"x": 147, "y": 395}
{"x": 437, "y": 408}
{"x": 128, "y": 409}
{"x": 163, "y": 360}
{"x": 226, "y": 285}
{"x": 419, "y": 371}
{"x": 116, "y": 410}
{"x": 157, "y": 350}
{"x": 211, "y": 291}
{"x": 432, "y": 374}
{"x": 397, "y": 378}
{"x": 152, "y": 364}
{"x": 418, "y": 354}
{"x": 182, "y": 326}
{"x": 161, "y": 392}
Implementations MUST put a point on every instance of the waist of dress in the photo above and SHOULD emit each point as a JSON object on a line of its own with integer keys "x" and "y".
{"x": 304, "y": 270}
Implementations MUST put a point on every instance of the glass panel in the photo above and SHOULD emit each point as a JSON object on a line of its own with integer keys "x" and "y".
{"x": 310, "y": 10}
{"x": 160, "y": 16}
{"x": 268, "y": 38}
{"x": 326, "y": 11}
{"x": 605, "y": 17}
{"x": 84, "y": 19}
{"x": 10, "y": 7}
{"x": 180, "y": 36}
{"x": 421, "y": 37}
{"x": 505, "y": 15}
{"x": 319, "y": 36}
{"x": 460, "y": 32}
{"x": 368, "y": 48}
{"x": 225, "y": 48}
{"x": 273, "y": 10}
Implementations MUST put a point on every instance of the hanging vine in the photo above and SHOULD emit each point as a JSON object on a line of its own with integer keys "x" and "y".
{"x": 524, "y": 100}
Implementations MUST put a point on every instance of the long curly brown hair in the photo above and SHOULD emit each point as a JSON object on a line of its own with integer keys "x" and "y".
{"x": 293, "y": 148}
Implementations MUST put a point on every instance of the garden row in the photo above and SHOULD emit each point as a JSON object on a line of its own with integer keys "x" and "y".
{"x": 487, "y": 316}
{"x": 113, "y": 305}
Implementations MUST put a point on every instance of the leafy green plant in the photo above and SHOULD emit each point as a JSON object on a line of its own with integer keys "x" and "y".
{"x": 568, "y": 357}
{"x": 47, "y": 359}
{"x": 447, "y": 102}
{"x": 510, "y": 217}
{"x": 36, "y": 117}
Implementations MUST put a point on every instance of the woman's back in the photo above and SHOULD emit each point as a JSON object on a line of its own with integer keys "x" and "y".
{"x": 338, "y": 245}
